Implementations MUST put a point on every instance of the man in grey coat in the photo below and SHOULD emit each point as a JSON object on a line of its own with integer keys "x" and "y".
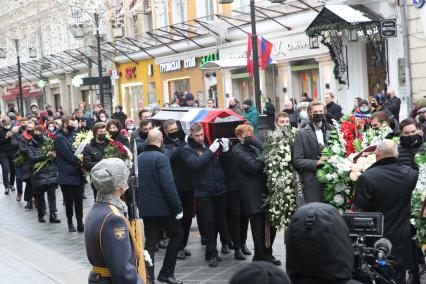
{"x": 307, "y": 158}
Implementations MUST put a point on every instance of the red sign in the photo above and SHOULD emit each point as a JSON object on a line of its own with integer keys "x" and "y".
{"x": 130, "y": 72}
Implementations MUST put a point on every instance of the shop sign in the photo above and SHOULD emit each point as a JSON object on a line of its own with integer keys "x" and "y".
{"x": 388, "y": 28}
{"x": 418, "y": 3}
{"x": 209, "y": 58}
{"x": 114, "y": 74}
{"x": 177, "y": 65}
{"x": 130, "y": 72}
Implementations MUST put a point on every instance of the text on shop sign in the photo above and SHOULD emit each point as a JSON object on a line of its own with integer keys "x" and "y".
{"x": 177, "y": 65}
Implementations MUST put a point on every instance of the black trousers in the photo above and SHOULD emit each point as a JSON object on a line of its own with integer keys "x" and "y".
{"x": 154, "y": 228}
{"x": 187, "y": 201}
{"x": 73, "y": 198}
{"x": 257, "y": 222}
{"x": 41, "y": 201}
{"x": 8, "y": 169}
{"x": 237, "y": 218}
{"x": 213, "y": 215}
{"x": 28, "y": 194}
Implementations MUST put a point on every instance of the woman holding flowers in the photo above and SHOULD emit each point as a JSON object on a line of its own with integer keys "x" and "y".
{"x": 41, "y": 154}
{"x": 114, "y": 129}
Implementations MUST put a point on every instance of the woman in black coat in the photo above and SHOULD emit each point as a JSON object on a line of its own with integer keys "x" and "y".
{"x": 114, "y": 127}
{"x": 252, "y": 183}
{"x": 45, "y": 180}
{"x": 69, "y": 173}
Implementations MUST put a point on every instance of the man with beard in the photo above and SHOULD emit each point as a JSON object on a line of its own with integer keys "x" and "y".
{"x": 172, "y": 148}
{"x": 140, "y": 135}
{"x": 308, "y": 144}
{"x": 386, "y": 187}
{"x": 234, "y": 105}
{"x": 208, "y": 182}
{"x": 288, "y": 108}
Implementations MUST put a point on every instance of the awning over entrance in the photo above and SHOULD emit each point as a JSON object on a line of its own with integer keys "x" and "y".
{"x": 225, "y": 64}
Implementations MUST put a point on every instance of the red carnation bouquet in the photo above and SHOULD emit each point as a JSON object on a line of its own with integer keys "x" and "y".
{"x": 116, "y": 149}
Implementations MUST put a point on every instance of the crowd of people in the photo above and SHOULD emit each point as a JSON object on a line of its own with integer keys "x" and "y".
{"x": 222, "y": 183}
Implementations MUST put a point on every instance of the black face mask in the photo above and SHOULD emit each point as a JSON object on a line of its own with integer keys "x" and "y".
{"x": 102, "y": 137}
{"x": 317, "y": 117}
{"x": 174, "y": 135}
{"x": 50, "y": 113}
{"x": 113, "y": 133}
{"x": 23, "y": 127}
{"x": 247, "y": 140}
{"x": 231, "y": 106}
{"x": 144, "y": 135}
{"x": 410, "y": 140}
{"x": 422, "y": 119}
{"x": 70, "y": 128}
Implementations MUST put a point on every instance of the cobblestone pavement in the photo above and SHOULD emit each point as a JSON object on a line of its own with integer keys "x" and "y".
{"x": 31, "y": 252}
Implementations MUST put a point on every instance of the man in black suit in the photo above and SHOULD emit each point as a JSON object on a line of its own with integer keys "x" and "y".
{"x": 386, "y": 187}
{"x": 159, "y": 206}
{"x": 308, "y": 143}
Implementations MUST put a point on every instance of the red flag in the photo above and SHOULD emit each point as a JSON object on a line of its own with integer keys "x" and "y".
{"x": 250, "y": 68}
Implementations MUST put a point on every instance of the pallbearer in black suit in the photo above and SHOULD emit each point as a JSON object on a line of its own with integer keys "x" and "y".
{"x": 109, "y": 240}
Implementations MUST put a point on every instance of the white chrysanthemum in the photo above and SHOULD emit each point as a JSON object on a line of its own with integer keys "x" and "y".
{"x": 338, "y": 199}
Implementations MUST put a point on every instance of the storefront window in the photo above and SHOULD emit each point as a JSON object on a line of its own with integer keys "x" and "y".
{"x": 152, "y": 98}
{"x": 180, "y": 86}
{"x": 305, "y": 81}
{"x": 132, "y": 99}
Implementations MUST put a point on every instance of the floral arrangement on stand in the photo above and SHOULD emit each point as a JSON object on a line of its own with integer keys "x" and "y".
{"x": 81, "y": 140}
{"x": 47, "y": 147}
{"x": 116, "y": 149}
{"x": 334, "y": 173}
{"x": 418, "y": 201}
{"x": 280, "y": 203}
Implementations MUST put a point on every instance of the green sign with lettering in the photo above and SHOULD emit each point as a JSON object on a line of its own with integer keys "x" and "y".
{"x": 208, "y": 58}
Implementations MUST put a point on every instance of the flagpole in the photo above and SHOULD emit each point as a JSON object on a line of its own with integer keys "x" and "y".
{"x": 255, "y": 47}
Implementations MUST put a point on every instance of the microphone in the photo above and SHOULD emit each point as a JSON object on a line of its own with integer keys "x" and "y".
{"x": 383, "y": 246}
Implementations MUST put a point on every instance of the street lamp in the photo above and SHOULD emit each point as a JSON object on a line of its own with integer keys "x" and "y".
{"x": 95, "y": 10}
{"x": 255, "y": 48}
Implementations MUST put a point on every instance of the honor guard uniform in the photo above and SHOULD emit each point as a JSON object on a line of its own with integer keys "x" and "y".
{"x": 109, "y": 241}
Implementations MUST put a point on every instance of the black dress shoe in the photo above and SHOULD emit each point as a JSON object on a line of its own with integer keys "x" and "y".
{"x": 181, "y": 255}
{"x": 245, "y": 250}
{"x": 41, "y": 219}
{"x": 238, "y": 255}
{"x": 231, "y": 245}
{"x": 187, "y": 252}
{"x": 170, "y": 280}
{"x": 213, "y": 262}
{"x": 80, "y": 228}
{"x": 225, "y": 249}
{"x": 274, "y": 261}
{"x": 71, "y": 228}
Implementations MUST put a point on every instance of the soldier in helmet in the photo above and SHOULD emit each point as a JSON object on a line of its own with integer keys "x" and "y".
{"x": 109, "y": 241}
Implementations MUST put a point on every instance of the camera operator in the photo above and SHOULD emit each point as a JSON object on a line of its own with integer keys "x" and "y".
{"x": 319, "y": 248}
{"x": 386, "y": 187}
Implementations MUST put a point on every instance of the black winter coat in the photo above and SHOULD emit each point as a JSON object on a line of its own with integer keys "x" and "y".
{"x": 140, "y": 141}
{"x": 172, "y": 148}
{"x": 69, "y": 171}
{"x": 46, "y": 176}
{"x": 122, "y": 139}
{"x": 407, "y": 155}
{"x": 322, "y": 253}
{"x": 250, "y": 177}
{"x": 207, "y": 176}
{"x": 93, "y": 153}
{"x": 157, "y": 194}
{"x": 6, "y": 145}
{"x": 386, "y": 187}
{"x": 292, "y": 114}
{"x": 393, "y": 106}
{"x": 334, "y": 111}
{"x": 121, "y": 116}
{"x": 306, "y": 153}
{"x": 27, "y": 166}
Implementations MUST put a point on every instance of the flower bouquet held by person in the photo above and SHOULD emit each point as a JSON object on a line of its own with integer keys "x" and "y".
{"x": 418, "y": 202}
{"x": 280, "y": 203}
{"x": 48, "y": 151}
{"x": 116, "y": 149}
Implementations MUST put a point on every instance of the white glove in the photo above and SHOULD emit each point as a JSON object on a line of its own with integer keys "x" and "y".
{"x": 214, "y": 146}
{"x": 225, "y": 144}
{"x": 147, "y": 257}
{"x": 179, "y": 216}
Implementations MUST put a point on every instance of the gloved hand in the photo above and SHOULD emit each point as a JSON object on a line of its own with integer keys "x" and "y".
{"x": 147, "y": 258}
{"x": 214, "y": 146}
{"x": 179, "y": 216}
{"x": 225, "y": 144}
